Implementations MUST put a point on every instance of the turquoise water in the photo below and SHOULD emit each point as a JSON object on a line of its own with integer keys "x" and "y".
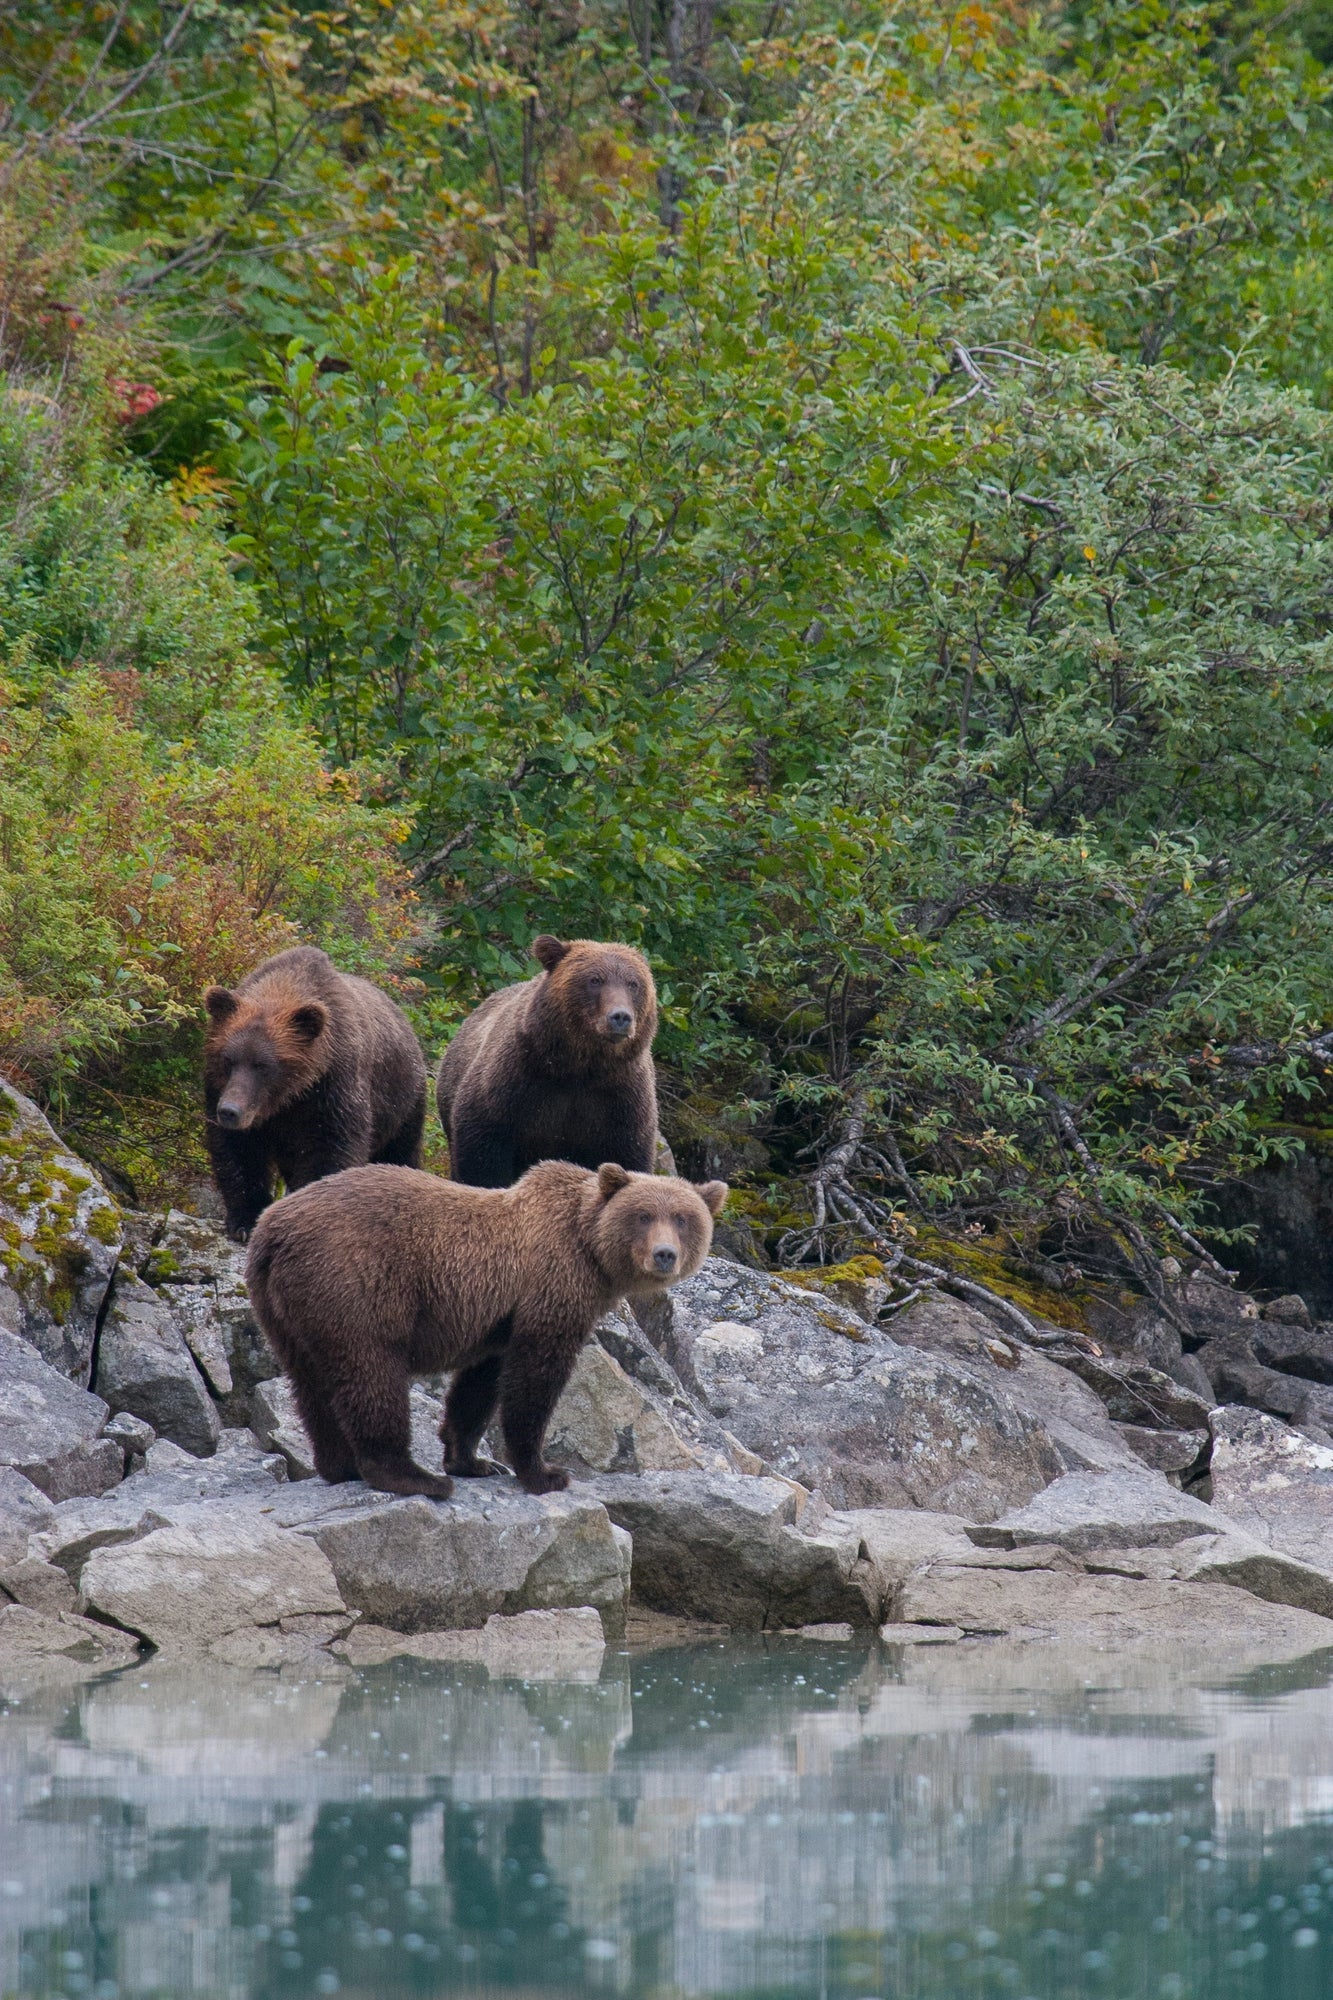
{"x": 781, "y": 1819}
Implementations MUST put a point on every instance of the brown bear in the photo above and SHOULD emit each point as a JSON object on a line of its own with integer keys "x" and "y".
{"x": 557, "y": 1068}
{"x": 306, "y": 1070}
{"x": 380, "y": 1274}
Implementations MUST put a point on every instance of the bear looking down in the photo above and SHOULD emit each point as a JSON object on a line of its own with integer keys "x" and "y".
{"x": 557, "y": 1068}
{"x": 365, "y": 1280}
{"x": 306, "y": 1070}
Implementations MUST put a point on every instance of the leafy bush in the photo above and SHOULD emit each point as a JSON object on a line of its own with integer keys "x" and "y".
{"x": 163, "y": 822}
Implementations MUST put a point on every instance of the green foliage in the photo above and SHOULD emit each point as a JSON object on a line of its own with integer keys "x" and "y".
{"x": 162, "y": 822}
{"x": 846, "y": 508}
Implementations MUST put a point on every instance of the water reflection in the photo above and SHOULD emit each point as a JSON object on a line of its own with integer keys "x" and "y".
{"x": 784, "y": 1819}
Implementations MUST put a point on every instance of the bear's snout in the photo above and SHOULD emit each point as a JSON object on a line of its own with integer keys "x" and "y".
{"x": 665, "y": 1258}
{"x": 229, "y": 1115}
{"x": 619, "y": 1023}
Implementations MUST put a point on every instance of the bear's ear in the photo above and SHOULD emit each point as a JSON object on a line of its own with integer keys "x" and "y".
{"x": 310, "y": 1020}
{"x": 548, "y": 951}
{"x": 221, "y": 1003}
{"x": 714, "y": 1193}
{"x": 611, "y": 1178}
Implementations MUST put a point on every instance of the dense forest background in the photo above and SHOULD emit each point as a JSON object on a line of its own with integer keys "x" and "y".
{"x": 843, "y": 500}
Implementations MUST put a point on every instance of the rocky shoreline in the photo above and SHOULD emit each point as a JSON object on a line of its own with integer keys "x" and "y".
{"x": 757, "y": 1455}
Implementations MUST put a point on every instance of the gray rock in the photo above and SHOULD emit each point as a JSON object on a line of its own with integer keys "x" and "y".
{"x": 60, "y": 1235}
{"x": 420, "y": 1565}
{"x": 566, "y": 1645}
{"x": 1289, "y": 1310}
{"x": 145, "y": 1367}
{"x": 1274, "y": 1484}
{"x": 39, "y": 1585}
{"x": 228, "y": 1584}
{"x": 275, "y": 1423}
{"x": 1263, "y": 1572}
{"x": 1102, "y": 1510}
{"x": 29, "y": 1639}
{"x": 201, "y": 1277}
{"x": 1294, "y": 1348}
{"x": 173, "y": 1476}
{"x": 1109, "y": 1614}
{"x": 896, "y": 1542}
{"x": 727, "y": 1548}
{"x": 1238, "y": 1377}
{"x": 24, "y": 1511}
{"x": 821, "y": 1396}
{"x": 50, "y": 1431}
{"x": 80, "y": 1526}
{"x": 1165, "y": 1451}
{"x": 132, "y": 1434}
{"x": 1072, "y": 1415}
{"x": 1134, "y": 1393}
{"x": 606, "y": 1422}
{"x": 1214, "y": 1309}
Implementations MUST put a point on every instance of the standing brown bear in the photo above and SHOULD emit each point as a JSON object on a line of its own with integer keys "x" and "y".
{"x": 365, "y": 1280}
{"x": 558, "y": 1068}
{"x": 307, "y": 1070}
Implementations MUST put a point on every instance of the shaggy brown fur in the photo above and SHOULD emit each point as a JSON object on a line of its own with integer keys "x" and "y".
{"x": 306, "y": 1070}
{"x": 559, "y": 1068}
{"x": 363, "y": 1281}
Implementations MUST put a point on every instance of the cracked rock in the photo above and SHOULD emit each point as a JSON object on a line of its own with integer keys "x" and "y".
{"x": 50, "y": 1431}
{"x": 145, "y": 1367}
{"x": 821, "y": 1396}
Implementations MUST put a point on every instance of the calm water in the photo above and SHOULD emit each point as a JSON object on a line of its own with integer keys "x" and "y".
{"x": 787, "y": 1819}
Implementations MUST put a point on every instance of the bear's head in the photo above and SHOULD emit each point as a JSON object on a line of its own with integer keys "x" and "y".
{"x": 648, "y": 1231}
{"x": 258, "y": 1057}
{"x": 598, "y": 997}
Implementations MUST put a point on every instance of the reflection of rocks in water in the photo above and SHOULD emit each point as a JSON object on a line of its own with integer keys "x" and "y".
{"x": 775, "y": 1818}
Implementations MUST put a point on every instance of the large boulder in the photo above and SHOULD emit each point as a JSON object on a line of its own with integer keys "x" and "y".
{"x": 144, "y": 1366}
{"x": 420, "y": 1565}
{"x": 1098, "y": 1510}
{"x": 823, "y": 1397}
{"x": 226, "y": 1584}
{"x": 607, "y": 1422}
{"x": 1274, "y": 1483}
{"x": 1072, "y": 1414}
{"x": 50, "y": 1430}
{"x": 729, "y": 1549}
{"x": 60, "y": 1236}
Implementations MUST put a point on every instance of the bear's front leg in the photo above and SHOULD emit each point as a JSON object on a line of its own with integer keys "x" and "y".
{"x": 240, "y": 1172}
{"x": 537, "y": 1364}
{"x": 467, "y": 1411}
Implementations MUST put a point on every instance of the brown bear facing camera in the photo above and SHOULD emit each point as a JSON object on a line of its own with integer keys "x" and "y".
{"x": 558, "y": 1068}
{"x": 381, "y": 1274}
{"x": 307, "y": 1070}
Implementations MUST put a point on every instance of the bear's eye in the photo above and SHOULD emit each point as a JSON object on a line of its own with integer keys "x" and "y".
{"x": 644, "y": 1217}
{"x": 596, "y": 981}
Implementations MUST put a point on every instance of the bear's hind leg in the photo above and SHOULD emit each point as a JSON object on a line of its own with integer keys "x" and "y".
{"x": 335, "y": 1461}
{"x": 373, "y": 1413}
{"x": 467, "y": 1411}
